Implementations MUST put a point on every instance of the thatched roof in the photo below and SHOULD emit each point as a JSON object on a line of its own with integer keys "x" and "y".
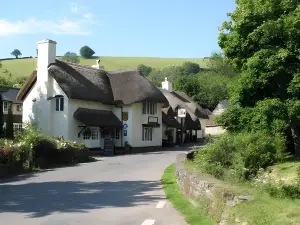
{"x": 82, "y": 82}
{"x": 27, "y": 86}
{"x": 194, "y": 106}
{"x": 129, "y": 86}
{"x": 190, "y": 124}
{"x": 176, "y": 101}
{"x": 169, "y": 111}
{"x": 91, "y": 84}
{"x": 99, "y": 118}
{"x": 170, "y": 121}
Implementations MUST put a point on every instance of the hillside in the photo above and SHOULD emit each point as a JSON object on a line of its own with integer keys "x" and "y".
{"x": 24, "y": 67}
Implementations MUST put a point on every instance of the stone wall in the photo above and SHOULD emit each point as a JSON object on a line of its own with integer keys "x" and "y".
{"x": 217, "y": 197}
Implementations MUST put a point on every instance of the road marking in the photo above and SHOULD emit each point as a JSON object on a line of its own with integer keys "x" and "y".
{"x": 148, "y": 222}
{"x": 160, "y": 204}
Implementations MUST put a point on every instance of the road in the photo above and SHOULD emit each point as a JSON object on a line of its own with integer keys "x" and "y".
{"x": 121, "y": 190}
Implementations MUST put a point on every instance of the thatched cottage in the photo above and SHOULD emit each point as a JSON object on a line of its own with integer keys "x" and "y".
{"x": 89, "y": 104}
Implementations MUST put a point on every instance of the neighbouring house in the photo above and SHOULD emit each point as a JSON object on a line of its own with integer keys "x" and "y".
{"x": 89, "y": 104}
{"x": 9, "y": 97}
{"x": 175, "y": 129}
{"x": 212, "y": 127}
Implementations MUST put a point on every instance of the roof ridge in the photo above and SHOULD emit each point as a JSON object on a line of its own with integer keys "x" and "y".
{"x": 80, "y": 65}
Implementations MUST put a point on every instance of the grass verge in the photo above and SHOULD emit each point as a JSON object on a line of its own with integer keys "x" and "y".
{"x": 193, "y": 215}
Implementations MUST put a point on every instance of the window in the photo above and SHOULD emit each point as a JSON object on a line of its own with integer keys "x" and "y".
{"x": 5, "y": 106}
{"x": 59, "y": 104}
{"x": 147, "y": 134}
{"x": 117, "y": 133}
{"x": 17, "y": 127}
{"x": 87, "y": 134}
{"x": 18, "y": 107}
{"x": 149, "y": 108}
{"x": 95, "y": 133}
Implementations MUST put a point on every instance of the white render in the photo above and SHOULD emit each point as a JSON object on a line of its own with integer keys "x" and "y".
{"x": 39, "y": 109}
{"x": 167, "y": 85}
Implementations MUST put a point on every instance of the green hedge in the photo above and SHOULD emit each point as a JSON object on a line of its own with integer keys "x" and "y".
{"x": 240, "y": 155}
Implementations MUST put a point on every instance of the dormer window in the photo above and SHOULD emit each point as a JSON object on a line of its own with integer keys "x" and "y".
{"x": 150, "y": 108}
{"x": 59, "y": 104}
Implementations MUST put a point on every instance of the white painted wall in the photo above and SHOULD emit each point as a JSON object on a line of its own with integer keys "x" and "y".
{"x": 41, "y": 110}
{"x": 139, "y": 119}
{"x": 73, "y": 124}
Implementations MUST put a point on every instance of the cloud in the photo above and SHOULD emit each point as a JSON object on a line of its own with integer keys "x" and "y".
{"x": 74, "y": 8}
{"x": 34, "y": 26}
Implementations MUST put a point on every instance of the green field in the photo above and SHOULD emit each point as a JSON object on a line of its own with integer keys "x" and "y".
{"x": 24, "y": 67}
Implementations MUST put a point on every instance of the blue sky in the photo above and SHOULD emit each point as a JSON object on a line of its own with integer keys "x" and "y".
{"x": 154, "y": 28}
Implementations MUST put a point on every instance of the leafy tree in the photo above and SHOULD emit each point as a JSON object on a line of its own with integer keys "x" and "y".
{"x": 16, "y": 53}
{"x": 86, "y": 52}
{"x": 219, "y": 64}
{"x": 9, "y": 123}
{"x": 0, "y": 64}
{"x": 19, "y": 82}
{"x": 261, "y": 40}
{"x": 71, "y": 57}
{"x": 158, "y": 75}
{"x": 145, "y": 70}
{"x": 190, "y": 68}
{"x": 189, "y": 85}
{"x": 1, "y": 117}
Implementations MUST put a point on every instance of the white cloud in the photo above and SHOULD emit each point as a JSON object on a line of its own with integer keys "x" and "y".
{"x": 74, "y": 8}
{"x": 33, "y": 26}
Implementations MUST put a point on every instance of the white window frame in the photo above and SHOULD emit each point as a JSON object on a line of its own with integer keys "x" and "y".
{"x": 95, "y": 133}
{"x": 17, "y": 127}
{"x": 5, "y": 106}
{"x": 147, "y": 133}
{"x": 86, "y": 137}
{"x": 61, "y": 104}
{"x": 149, "y": 108}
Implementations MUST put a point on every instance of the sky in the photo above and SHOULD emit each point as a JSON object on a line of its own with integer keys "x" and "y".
{"x": 153, "y": 28}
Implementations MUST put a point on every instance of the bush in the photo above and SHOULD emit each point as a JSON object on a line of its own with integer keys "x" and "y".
{"x": 240, "y": 155}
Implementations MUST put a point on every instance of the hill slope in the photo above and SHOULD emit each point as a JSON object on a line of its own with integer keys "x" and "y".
{"x": 24, "y": 67}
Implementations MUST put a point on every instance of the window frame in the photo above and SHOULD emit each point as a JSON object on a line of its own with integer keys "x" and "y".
{"x": 147, "y": 134}
{"x": 59, "y": 104}
{"x": 18, "y": 107}
{"x": 5, "y": 106}
{"x": 18, "y": 127}
{"x": 149, "y": 108}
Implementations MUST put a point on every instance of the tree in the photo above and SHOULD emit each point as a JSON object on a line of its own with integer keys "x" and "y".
{"x": 189, "y": 85}
{"x": 16, "y": 53}
{"x": 1, "y": 117}
{"x": 9, "y": 123}
{"x": 190, "y": 68}
{"x": 261, "y": 40}
{"x": 71, "y": 57}
{"x": 86, "y": 52}
{"x": 219, "y": 64}
{"x": 158, "y": 75}
{"x": 19, "y": 82}
{"x": 145, "y": 70}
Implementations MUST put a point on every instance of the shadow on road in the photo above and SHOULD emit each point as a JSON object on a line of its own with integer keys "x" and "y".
{"x": 41, "y": 199}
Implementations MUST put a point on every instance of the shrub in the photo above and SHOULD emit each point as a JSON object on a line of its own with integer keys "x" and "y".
{"x": 240, "y": 154}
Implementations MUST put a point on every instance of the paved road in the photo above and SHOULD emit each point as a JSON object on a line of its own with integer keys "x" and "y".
{"x": 121, "y": 190}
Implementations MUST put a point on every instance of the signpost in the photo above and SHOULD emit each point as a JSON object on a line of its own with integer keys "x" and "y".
{"x": 181, "y": 113}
